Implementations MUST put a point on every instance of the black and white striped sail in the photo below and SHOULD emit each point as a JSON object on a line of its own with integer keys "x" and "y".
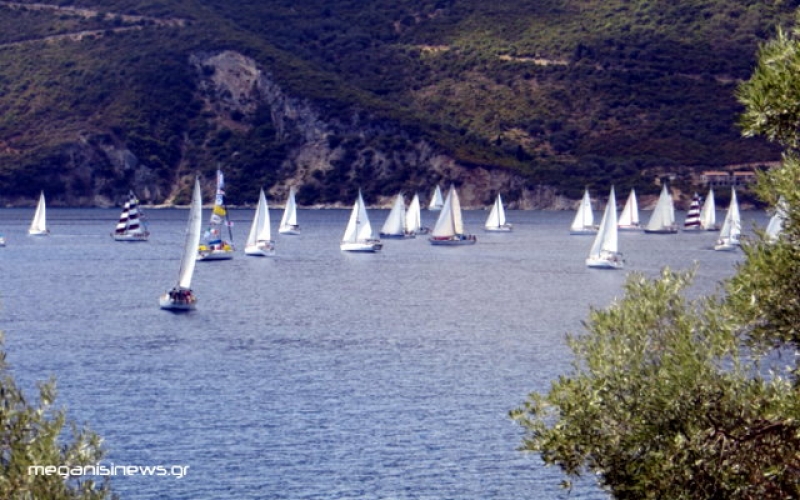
{"x": 693, "y": 214}
{"x": 130, "y": 226}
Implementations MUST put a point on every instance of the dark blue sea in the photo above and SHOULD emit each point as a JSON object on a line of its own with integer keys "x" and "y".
{"x": 316, "y": 374}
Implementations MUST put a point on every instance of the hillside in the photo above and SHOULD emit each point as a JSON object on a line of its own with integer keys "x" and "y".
{"x": 533, "y": 98}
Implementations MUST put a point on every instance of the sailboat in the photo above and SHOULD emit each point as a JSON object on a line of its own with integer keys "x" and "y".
{"x": 775, "y": 224}
{"x": 708, "y": 215}
{"x": 259, "y": 241}
{"x": 216, "y": 248}
{"x": 497, "y": 218}
{"x": 39, "y": 222}
{"x": 414, "y": 218}
{"x": 692, "y": 222}
{"x": 662, "y": 221}
{"x": 181, "y": 297}
{"x": 629, "y": 218}
{"x": 449, "y": 228}
{"x": 289, "y": 220}
{"x": 131, "y": 226}
{"x": 436, "y": 200}
{"x": 395, "y": 225}
{"x": 358, "y": 233}
{"x": 605, "y": 249}
{"x": 583, "y": 223}
{"x": 731, "y": 228}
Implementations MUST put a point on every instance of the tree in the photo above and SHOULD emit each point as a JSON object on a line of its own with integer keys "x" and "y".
{"x": 678, "y": 399}
{"x": 34, "y": 435}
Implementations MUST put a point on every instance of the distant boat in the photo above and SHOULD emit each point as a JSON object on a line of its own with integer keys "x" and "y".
{"x": 449, "y": 228}
{"x": 629, "y": 218}
{"x": 497, "y": 217}
{"x": 692, "y": 222}
{"x": 259, "y": 240}
{"x": 39, "y": 222}
{"x": 708, "y": 215}
{"x": 131, "y": 226}
{"x": 358, "y": 233}
{"x": 605, "y": 249}
{"x": 215, "y": 247}
{"x": 289, "y": 220}
{"x": 2, "y": 240}
{"x": 731, "y": 228}
{"x": 395, "y": 225}
{"x": 181, "y": 297}
{"x": 662, "y": 221}
{"x": 775, "y": 225}
{"x": 414, "y": 218}
{"x": 436, "y": 200}
{"x": 583, "y": 223}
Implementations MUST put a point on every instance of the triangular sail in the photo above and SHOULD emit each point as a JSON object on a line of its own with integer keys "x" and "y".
{"x": 449, "y": 222}
{"x": 732, "y": 227}
{"x": 775, "y": 225}
{"x": 193, "y": 229}
{"x": 396, "y": 221}
{"x": 358, "y": 227}
{"x": 607, "y": 237}
{"x": 39, "y": 222}
{"x": 497, "y": 216}
{"x": 130, "y": 220}
{"x": 260, "y": 230}
{"x": 289, "y": 217}
{"x": 413, "y": 215}
{"x": 630, "y": 212}
{"x": 693, "y": 214}
{"x": 436, "y": 200}
{"x": 663, "y": 216}
{"x": 708, "y": 215}
{"x": 584, "y": 218}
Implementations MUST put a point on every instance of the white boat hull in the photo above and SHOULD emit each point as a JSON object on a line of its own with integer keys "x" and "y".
{"x": 726, "y": 245}
{"x": 37, "y": 232}
{"x": 604, "y": 263}
{"x": 584, "y": 231}
{"x": 664, "y": 230}
{"x": 505, "y": 228}
{"x": 261, "y": 249}
{"x": 458, "y": 240}
{"x": 361, "y": 246}
{"x": 294, "y": 230}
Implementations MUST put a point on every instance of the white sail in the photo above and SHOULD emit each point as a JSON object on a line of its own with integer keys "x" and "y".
{"x": 663, "y": 218}
{"x": 605, "y": 249}
{"x": 629, "y": 218}
{"x": 216, "y": 247}
{"x": 395, "y": 224}
{"x": 497, "y": 217}
{"x": 414, "y": 216}
{"x": 358, "y": 233}
{"x": 259, "y": 229}
{"x": 731, "y": 227}
{"x": 775, "y": 225}
{"x": 39, "y": 222}
{"x": 449, "y": 222}
{"x": 436, "y": 200}
{"x": 193, "y": 230}
{"x": 583, "y": 223}
{"x": 708, "y": 215}
{"x": 289, "y": 219}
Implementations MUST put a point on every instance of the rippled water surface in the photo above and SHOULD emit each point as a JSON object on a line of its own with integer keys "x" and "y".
{"x": 315, "y": 374}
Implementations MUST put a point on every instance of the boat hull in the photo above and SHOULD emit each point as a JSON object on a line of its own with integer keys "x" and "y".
{"x": 726, "y": 245}
{"x": 131, "y": 237}
{"x": 630, "y": 229}
{"x": 291, "y": 230}
{"x": 170, "y": 304}
{"x": 386, "y": 236}
{"x": 601, "y": 263}
{"x": 458, "y": 240}
{"x": 665, "y": 230}
{"x": 261, "y": 249}
{"x": 36, "y": 232}
{"x": 361, "y": 246}
{"x": 215, "y": 255}
{"x": 505, "y": 228}
{"x": 583, "y": 232}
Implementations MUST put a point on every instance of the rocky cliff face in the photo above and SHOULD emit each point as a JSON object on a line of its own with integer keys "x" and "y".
{"x": 348, "y": 151}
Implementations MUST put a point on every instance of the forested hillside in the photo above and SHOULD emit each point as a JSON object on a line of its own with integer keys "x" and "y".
{"x": 100, "y": 97}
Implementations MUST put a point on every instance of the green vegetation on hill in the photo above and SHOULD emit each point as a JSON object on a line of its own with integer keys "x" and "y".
{"x": 569, "y": 93}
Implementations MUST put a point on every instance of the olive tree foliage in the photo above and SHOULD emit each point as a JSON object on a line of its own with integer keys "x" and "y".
{"x": 38, "y": 434}
{"x": 671, "y": 398}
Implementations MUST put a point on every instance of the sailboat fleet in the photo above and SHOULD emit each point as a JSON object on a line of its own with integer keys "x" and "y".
{"x": 402, "y": 223}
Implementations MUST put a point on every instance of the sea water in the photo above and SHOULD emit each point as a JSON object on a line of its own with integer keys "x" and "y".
{"x": 316, "y": 374}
